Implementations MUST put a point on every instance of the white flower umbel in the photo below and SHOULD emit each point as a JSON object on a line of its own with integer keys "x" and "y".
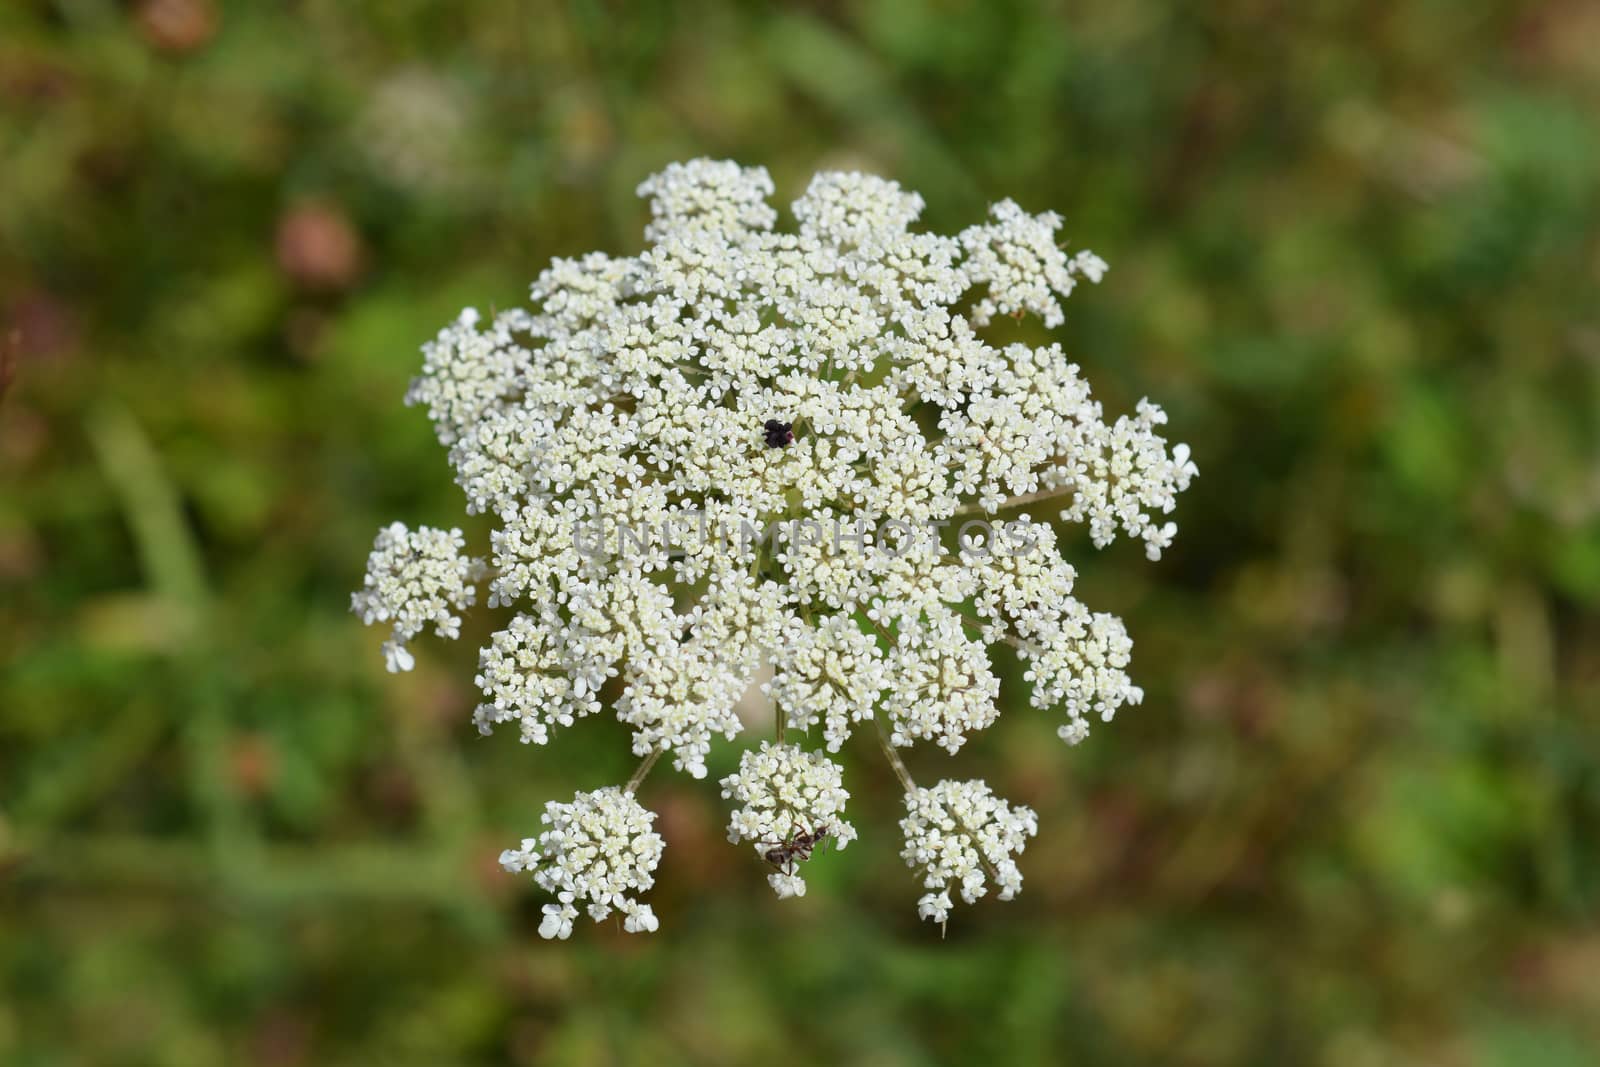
{"x": 941, "y": 687}
{"x": 961, "y": 838}
{"x": 416, "y": 577}
{"x": 1017, "y": 256}
{"x": 830, "y": 673}
{"x": 636, "y": 433}
{"x": 600, "y": 852}
{"x": 790, "y": 802}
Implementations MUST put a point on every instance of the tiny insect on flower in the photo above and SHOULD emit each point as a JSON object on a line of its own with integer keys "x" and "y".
{"x": 778, "y": 434}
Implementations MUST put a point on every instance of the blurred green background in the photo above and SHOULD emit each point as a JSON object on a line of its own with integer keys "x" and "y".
{"x": 1355, "y": 251}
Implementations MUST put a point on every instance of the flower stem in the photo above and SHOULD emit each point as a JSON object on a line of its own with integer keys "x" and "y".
{"x": 889, "y": 753}
{"x": 643, "y": 770}
{"x": 893, "y": 757}
{"x": 1016, "y": 501}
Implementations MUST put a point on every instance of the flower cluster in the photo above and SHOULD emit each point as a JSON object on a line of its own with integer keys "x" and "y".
{"x": 960, "y": 836}
{"x": 600, "y": 852}
{"x": 416, "y": 577}
{"x": 737, "y": 376}
{"x": 789, "y": 800}
{"x": 829, "y": 673}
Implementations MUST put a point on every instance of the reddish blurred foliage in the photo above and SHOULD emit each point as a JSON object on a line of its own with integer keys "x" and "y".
{"x": 281, "y": 1038}
{"x": 253, "y": 764}
{"x": 446, "y": 706}
{"x": 109, "y": 167}
{"x": 391, "y": 792}
{"x": 32, "y": 80}
{"x": 1557, "y": 35}
{"x": 177, "y": 26}
{"x": 21, "y": 555}
{"x": 38, "y": 326}
{"x": 24, "y": 435}
{"x": 487, "y": 874}
{"x": 1237, "y": 695}
{"x": 692, "y": 827}
{"x": 303, "y": 333}
{"x": 527, "y": 1040}
{"x": 1122, "y": 836}
{"x": 8, "y": 359}
{"x": 317, "y": 247}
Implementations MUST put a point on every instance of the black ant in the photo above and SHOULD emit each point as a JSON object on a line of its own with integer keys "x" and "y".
{"x": 798, "y": 846}
{"x": 778, "y": 434}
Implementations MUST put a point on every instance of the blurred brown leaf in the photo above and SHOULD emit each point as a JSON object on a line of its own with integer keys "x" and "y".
{"x": 317, "y": 247}
{"x": 177, "y": 25}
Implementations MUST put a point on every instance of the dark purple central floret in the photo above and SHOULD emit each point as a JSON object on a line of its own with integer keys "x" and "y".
{"x": 779, "y": 434}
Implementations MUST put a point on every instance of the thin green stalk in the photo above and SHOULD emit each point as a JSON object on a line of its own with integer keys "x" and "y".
{"x": 893, "y": 757}
{"x": 1016, "y": 501}
{"x": 642, "y": 771}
